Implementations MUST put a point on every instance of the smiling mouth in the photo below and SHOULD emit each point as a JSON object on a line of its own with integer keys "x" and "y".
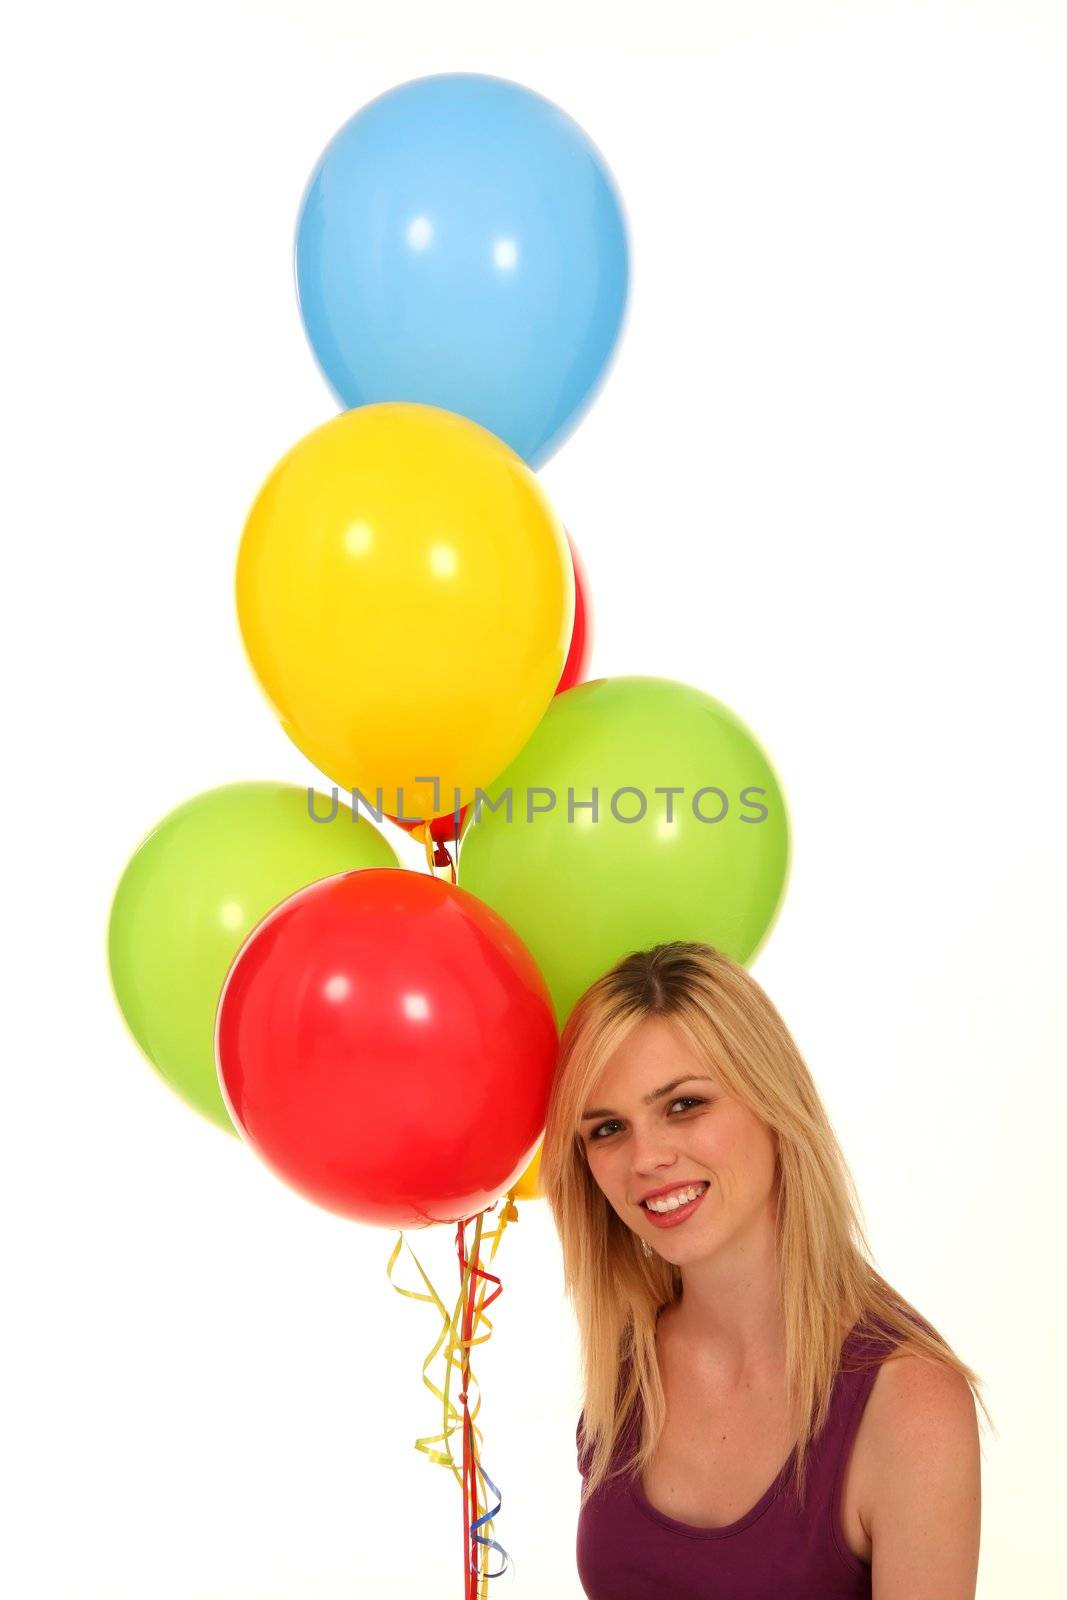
{"x": 678, "y": 1200}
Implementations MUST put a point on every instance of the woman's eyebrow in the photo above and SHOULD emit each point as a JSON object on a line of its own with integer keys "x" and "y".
{"x": 649, "y": 1099}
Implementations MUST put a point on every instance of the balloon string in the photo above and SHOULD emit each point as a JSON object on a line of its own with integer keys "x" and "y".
{"x": 475, "y": 1301}
{"x": 459, "y": 1332}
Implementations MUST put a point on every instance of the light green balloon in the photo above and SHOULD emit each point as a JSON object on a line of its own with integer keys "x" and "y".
{"x": 190, "y": 896}
{"x": 583, "y": 894}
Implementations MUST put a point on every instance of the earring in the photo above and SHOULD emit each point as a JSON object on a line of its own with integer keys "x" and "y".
{"x": 647, "y": 1248}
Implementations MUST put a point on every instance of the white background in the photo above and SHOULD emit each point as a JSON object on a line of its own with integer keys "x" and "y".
{"x": 824, "y": 482}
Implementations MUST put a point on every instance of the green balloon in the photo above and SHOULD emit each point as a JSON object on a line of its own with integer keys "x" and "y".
{"x": 190, "y": 896}
{"x": 582, "y": 894}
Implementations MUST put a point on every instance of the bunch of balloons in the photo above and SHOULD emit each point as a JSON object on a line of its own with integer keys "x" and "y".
{"x": 419, "y": 621}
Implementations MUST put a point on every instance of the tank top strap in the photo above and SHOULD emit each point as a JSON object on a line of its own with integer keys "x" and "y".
{"x": 862, "y": 1356}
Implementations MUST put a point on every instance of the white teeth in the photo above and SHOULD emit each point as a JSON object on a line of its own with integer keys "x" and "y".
{"x": 681, "y": 1197}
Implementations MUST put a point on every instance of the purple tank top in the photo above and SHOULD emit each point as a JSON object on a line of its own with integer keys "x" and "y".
{"x": 627, "y": 1550}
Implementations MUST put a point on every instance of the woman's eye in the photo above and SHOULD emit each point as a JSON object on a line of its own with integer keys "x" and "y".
{"x": 687, "y": 1100}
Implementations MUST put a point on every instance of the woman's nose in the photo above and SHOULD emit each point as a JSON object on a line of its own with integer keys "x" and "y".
{"x": 651, "y": 1149}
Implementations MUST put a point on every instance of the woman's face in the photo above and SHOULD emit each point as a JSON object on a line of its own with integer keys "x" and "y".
{"x": 660, "y": 1123}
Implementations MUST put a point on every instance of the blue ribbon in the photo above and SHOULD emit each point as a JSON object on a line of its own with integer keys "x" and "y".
{"x": 488, "y": 1517}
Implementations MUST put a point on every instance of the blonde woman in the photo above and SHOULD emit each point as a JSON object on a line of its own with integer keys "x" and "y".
{"x": 765, "y": 1418}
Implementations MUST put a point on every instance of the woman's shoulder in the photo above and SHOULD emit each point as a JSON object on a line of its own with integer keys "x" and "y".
{"x": 914, "y": 1401}
{"x": 916, "y": 1445}
{"x": 917, "y": 1401}
{"x": 915, "y": 1476}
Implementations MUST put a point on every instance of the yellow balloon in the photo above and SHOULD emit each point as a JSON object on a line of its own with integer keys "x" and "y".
{"x": 528, "y": 1186}
{"x": 406, "y": 597}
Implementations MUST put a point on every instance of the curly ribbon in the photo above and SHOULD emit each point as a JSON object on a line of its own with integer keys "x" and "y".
{"x": 458, "y": 1335}
{"x": 471, "y": 1272}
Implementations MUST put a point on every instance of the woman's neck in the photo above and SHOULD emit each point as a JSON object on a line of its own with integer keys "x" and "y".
{"x": 730, "y": 1305}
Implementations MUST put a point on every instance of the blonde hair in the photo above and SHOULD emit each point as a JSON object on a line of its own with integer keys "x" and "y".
{"x": 827, "y": 1282}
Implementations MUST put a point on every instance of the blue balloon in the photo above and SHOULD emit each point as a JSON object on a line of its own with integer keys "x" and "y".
{"x": 462, "y": 243}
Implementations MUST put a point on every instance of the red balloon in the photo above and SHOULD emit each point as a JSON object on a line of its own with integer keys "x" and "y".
{"x": 577, "y": 662}
{"x": 385, "y": 1043}
{"x": 444, "y": 829}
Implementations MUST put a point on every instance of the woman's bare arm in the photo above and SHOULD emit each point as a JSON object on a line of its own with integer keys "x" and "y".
{"x": 923, "y": 1490}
